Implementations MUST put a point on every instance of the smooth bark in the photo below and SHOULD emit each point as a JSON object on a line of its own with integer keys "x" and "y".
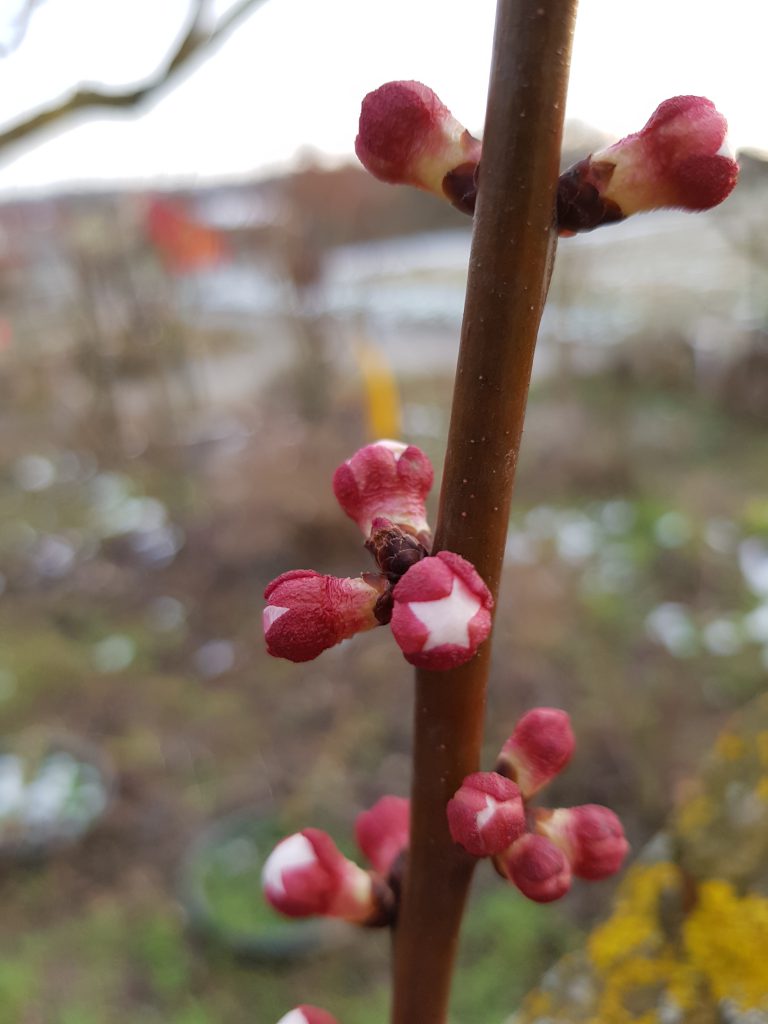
{"x": 513, "y": 248}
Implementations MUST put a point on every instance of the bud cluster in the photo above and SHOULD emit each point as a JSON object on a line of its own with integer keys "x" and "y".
{"x": 307, "y": 875}
{"x": 538, "y": 849}
{"x": 439, "y": 607}
{"x": 407, "y": 136}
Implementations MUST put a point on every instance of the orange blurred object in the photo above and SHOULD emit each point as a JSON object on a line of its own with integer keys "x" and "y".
{"x": 183, "y": 243}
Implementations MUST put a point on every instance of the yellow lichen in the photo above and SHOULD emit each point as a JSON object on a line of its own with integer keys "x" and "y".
{"x": 726, "y": 937}
{"x": 537, "y": 1004}
{"x": 638, "y": 967}
{"x": 722, "y": 954}
{"x": 620, "y": 1015}
{"x": 730, "y": 747}
{"x": 637, "y": 988}
{"x": 634, "y": 922}
{"x": 684, "y": 984}
{"x": 642, "y": 968}
{"x": 762, "y": 788}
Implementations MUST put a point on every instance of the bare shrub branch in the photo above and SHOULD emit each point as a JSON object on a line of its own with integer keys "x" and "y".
{"x": 200, "y": 38}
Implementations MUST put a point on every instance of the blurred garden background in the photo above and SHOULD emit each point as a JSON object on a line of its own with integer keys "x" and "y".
{"x": 182, "y": 367}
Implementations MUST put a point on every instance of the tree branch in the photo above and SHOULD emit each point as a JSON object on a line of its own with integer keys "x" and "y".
{"x": 198, "y": 39}
{"x": 513, "y": 247}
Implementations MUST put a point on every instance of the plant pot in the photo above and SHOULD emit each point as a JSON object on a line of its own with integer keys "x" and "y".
{"x": 220, "y": 889}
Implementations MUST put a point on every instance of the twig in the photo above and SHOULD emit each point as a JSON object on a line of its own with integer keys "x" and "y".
{"x": 510, "y": 265}
{"x": 197, "y": 40}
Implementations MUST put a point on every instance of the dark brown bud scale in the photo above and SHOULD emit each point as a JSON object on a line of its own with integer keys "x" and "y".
{"x": 386, "y": 905}
{"x": 580, "y": 207}
{"x": 395, "y": 551}
{"x": 382, "y": 610}
{"x": 460, "y": 187}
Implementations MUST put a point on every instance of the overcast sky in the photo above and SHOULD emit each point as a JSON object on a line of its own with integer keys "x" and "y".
{"x": 291, "y": 77}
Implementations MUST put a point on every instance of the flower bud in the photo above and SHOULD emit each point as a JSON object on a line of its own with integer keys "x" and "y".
{"x": 383, "y": 832}
{"x": 441, "y": 612}
{"x": 409, "y": 137}
{"x": 307, "y": 1015}
{"x": 537, "y": 867}
{"x": 306, "y": 875}
{"x": 539, "y": 748}
{"x": 388, "y": 480}
{"x": 486, "y": 815}
{"x": 590, "y": 836}
{"x": 677, "y": 160}
{"x": 307, "y": 612}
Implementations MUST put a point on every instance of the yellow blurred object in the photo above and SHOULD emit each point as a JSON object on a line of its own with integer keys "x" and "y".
{"x": 382, "y": 399}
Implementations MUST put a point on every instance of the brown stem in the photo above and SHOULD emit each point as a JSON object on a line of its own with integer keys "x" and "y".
{"x": 510, "y": 264}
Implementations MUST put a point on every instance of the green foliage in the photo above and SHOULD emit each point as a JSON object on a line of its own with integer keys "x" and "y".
{"x": 18, "y": 984}
{"x": 158, "y": 951}
{"x": 507, "y": 943}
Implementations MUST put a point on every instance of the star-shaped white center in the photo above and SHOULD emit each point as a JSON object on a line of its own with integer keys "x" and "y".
{"x": 447, "y": 618}
{"x": 395, "y": 447}
{"x": 484, "y": 816}
{"x": 271, "y": 614}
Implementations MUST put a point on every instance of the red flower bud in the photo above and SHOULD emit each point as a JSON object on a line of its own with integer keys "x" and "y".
{"x": 383, "y": 831}
{"x": 408, "y": 137}
{"x": 590, "y": 836}
{"x": 307, "y": 612}
{"x": 537, "y": 867}
{"x": 307, "y": 1015}
{"x": 539, "y": 748}
{"x": 486, "y": 815}
{"x": 442, "y": 612}
{"x": 677, "y": 160}
{"x": 386, "y": 480}
{"x": 306, "y": 875}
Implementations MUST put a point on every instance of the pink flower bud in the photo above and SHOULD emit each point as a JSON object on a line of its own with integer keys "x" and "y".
{"x": 539, "y": 748}
{"x": 442, "y": 612}
{"x": 306, "y": 875}
{"x": 307, "y": 1015}
{"x": 383, "y": 832}
{"x": 386, "y": 480}
{"x": 590, "y": 836}
{"x": 677, "y": 160}
{"x": 537, "y": 867}
{"x": 408, "y": 137}
{"x": 307, "y": 612}
{"x": 486, "y": 815}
